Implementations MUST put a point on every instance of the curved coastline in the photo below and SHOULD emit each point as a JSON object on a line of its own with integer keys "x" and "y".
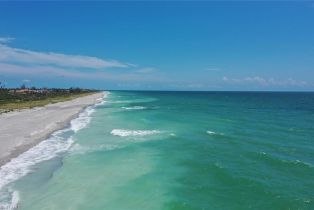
{"x": 22, "y": 130}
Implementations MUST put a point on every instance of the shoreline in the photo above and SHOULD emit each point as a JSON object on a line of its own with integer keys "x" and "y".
{"x": 24, "y": 129}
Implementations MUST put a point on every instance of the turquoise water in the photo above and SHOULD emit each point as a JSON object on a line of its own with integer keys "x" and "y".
{"x": 174, "y": 150}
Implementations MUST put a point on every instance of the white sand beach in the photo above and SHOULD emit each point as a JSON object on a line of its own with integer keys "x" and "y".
{"x": 21, "y": 130}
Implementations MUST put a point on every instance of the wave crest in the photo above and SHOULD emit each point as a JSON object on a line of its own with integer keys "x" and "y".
{"x": 134, "y": 108}
{"x": 20, "y": 166}
{"x": 124, "y": 133}
{"x": 213, "y": 133}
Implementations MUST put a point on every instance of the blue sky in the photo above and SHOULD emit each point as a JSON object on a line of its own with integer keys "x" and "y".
{"x": 158, "y": 45}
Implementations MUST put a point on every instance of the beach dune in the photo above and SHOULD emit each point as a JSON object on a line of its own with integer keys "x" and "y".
{"x": 21, "y": 130}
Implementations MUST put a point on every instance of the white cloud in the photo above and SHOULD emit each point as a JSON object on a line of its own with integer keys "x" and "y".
{"x": 260, "y": 81}
{"x": 35, "y": 65}
{"x": 146, "y": 70}
{"x": 6, "y": 39}
{"x": 28, "y": 57}
{"x": 256, "y": 79}
{"x": 26, "y": 80}
{"x": 54, "y": 72}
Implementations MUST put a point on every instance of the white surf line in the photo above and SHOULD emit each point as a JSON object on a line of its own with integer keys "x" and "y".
{"x": 124, "y": 133}
{"x": 22, "y": 165}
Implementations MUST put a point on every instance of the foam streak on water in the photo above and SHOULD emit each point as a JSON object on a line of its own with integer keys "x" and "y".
{"x": 213, "y": 133}
{"x": 124, "y": 133}
{"x": 55, "y": 145}
{"x": 134, "y": 108}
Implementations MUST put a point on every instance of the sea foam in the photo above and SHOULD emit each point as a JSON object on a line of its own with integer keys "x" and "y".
{"x": 213, "y": 133}
{"x": 78, "y": 149}
{"x": 12, "y": 199}
{"x": 124, "y": 133}
{"x": 134, "y": 108}
{"x": 210, "y": 132}
{"x": 83, "y": 119}
{"x": 56, "y": 144}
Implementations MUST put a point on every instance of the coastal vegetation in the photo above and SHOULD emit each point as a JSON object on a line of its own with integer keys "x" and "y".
{"x": 23, "y": 97}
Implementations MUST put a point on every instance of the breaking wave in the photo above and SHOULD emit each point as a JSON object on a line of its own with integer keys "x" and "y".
{"x": 58, "y": 143}
{"x": 124, "y": 133}
{"x": 134, "y": 108}
{"x": 213, "y": 133}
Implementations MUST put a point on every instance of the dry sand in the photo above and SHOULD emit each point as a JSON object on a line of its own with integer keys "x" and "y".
{"x": 21, "y": 130}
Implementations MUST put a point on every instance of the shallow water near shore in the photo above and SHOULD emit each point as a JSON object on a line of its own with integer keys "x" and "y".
{"x": 174, "y": 150}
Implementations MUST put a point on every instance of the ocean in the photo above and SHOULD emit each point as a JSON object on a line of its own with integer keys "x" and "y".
{"x": 173, "y": 151}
